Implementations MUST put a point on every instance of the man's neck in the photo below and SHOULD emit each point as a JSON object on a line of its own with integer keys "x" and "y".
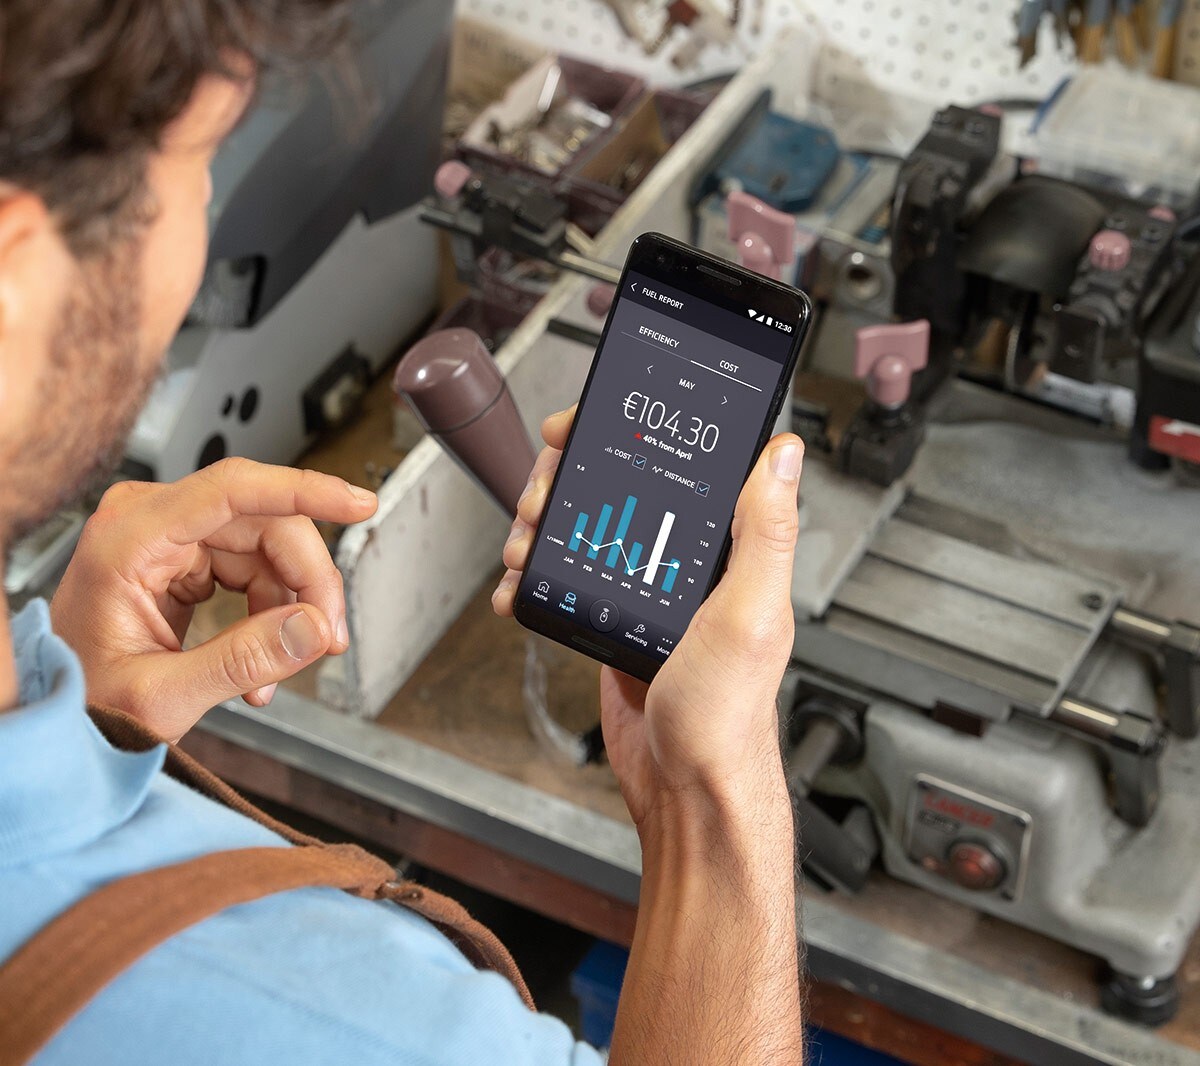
{"x": 10, "y": 691}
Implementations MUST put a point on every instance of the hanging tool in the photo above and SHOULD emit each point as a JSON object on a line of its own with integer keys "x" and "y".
{"x": 1124, "y": 33}
{"x": 1029, "y": 17}
{"x": 1162, "y": 61}
{"x": 1093, "y": 29}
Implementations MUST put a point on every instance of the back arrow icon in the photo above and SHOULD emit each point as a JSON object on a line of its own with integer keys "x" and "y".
{"x": 634, "y": 286}
{"x": 649, "y": 368}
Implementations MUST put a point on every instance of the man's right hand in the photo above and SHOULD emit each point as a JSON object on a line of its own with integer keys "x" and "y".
{"x": 713, "y": 976}
{"x": 708, "y": 724}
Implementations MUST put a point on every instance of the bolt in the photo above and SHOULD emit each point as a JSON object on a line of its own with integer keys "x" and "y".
{"x": 1093, "y": 601}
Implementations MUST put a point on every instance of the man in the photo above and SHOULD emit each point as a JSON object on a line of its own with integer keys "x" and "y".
{"x": 110, "y": 114}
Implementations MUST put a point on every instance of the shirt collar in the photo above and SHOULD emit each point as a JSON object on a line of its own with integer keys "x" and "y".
{"x": 62, "y": 785}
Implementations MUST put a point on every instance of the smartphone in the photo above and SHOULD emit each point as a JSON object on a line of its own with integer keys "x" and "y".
{"x": 693, "y": 366}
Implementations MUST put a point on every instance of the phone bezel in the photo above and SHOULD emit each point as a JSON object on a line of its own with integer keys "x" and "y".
{"x": 662, "y": 258}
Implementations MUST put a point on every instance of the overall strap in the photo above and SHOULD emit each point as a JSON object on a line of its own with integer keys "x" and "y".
{"x": 63, "y": 966}
{"x": 56, "y": 973}
{"x": 472, "y": 938}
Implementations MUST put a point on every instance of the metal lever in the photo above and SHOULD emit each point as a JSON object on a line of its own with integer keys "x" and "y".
{"x": 834, "y": 854}
{"x": 1177, "y": 644}
{"x": 1133, "y": 745}
{"x": 491, "y": 209}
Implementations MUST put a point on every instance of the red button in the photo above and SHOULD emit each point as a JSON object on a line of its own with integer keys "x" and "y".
{"x": 976, "y": 866}
{"x": 1173, "y": 436}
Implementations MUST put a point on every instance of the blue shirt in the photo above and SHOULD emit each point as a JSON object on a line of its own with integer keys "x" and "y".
{"x": 310, "y": 976}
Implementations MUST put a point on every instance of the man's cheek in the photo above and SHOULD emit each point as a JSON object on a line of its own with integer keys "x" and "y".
{"x": 172, "y": 272}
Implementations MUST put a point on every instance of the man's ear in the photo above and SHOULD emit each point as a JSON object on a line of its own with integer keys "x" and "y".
{"x": 24, "y": 224}
{"x": 35, "y": 267}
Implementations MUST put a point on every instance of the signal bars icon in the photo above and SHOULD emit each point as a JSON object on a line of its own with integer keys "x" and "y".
{"x": 757, "y": 317}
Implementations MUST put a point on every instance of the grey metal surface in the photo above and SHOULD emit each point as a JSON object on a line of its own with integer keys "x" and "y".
{"x": 1130, "y": 896}
{"x": 915, "y": 978}
{"x": 839, "y": 516}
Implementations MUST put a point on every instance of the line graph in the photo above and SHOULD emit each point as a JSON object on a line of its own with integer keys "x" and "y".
{"x": 629, "y": 569}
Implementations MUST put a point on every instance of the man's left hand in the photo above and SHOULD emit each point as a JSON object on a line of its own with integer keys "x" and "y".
{"x": 151, "y": 553}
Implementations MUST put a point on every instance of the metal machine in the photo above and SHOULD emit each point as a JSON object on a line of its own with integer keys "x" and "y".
{"x": 998, "y": 653}
{"x": 998, "y": 648}
{"x": 318, "y": 264}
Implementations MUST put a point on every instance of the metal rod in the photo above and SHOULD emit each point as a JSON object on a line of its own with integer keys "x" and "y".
{"x": 1139, "y": 627}
{"x": 821, "y": 742}
{"x": 590, "y": 267}
{"x": 1086, "y": 718}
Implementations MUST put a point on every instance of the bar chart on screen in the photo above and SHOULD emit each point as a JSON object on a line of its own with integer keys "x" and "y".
{"x": 614, "y": 550}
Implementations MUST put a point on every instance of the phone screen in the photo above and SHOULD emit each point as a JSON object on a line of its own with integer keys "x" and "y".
{"x": 670, "y": 423}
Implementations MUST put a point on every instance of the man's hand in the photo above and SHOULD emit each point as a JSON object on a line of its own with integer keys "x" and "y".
{"x": 713, "y": 976}
{"x": 151, "y": 553}
{"x": 708, "y": 725}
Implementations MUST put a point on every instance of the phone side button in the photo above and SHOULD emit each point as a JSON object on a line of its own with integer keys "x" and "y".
{"x": 592, "y": 647}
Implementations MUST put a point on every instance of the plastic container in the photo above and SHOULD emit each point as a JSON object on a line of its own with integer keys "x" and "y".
{"x": 1109, "y": 126}
{"x": 613, "y": 92}
{"x": 596, "y": 984}
{"x": 601, "y": 179}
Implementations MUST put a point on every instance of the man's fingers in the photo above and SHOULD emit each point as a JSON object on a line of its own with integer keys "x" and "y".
{"x": 765, "y": 525}
{"x": 537, "y": 490}
{"x": 518, "y": 546}
{"x": 294, "y": 552}
{"x": 252, "y": 655}
{"x": 529, "y": 509}
{"x": 556, "y": 428}
{"x": 506, "y": 594}
{"x": 197, "y": 506}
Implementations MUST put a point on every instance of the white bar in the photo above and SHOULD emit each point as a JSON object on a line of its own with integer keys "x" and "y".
{"x": 660, "y": 546}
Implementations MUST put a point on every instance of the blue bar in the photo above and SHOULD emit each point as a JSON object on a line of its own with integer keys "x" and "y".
{"x": 634, "y": 554}
{"x": 601, "y": 529}
{"x": 614, "y": 553}
{"x": 669, "y": 580}
{"x": 580, "y": 525}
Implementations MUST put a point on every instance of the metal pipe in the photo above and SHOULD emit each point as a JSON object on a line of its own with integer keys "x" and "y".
{"x": 821, "y": 742}
{"x": 1086, "y": 718}
{"x": 1139, "y": 627}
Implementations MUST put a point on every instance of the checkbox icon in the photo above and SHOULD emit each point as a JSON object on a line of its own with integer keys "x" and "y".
{"x": 702, "y": 488}
{"x": 639, "y": 462}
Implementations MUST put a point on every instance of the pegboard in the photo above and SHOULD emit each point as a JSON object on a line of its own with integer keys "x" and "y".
{"x": 932, "y": 50}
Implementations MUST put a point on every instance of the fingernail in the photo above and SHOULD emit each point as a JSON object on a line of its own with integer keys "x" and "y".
{"x": 300, "y": 638}
{"x": 266, "y": 693}
{"x": 343, "y": 632}
{"x": 360, "y": 494}
{"x": 525, "y": 491}
{"x": 518, "y": 531}
{"x": 506, "y": 585}
{"x": 785, "y": 461}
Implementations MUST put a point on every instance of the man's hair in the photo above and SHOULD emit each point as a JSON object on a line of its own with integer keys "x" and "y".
{"x": 87, "y": 88}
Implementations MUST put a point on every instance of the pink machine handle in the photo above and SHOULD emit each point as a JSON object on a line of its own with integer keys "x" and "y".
{"x": 450, "y": 179}
{"x": 765, "y": 238}
{"x": 887, "y": 356}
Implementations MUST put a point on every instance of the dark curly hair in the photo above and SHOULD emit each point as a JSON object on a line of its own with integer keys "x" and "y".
{"x": 87, "y": 88}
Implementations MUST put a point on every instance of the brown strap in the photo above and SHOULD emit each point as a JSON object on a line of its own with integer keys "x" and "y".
{"x": 54, "y": 975}
{"x": 64, "y": 965}
{"x": 474, "y": 939}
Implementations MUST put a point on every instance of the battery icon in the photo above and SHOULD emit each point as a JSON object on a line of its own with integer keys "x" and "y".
{"x": 768, "y": 320}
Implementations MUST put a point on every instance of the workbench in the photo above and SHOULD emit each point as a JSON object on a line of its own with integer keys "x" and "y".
{"x": 451, "y": 777}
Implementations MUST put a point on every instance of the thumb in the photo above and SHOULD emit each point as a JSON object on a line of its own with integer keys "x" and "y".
{"x": 765, "y": 525}
{"x": 255, "y": 653}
